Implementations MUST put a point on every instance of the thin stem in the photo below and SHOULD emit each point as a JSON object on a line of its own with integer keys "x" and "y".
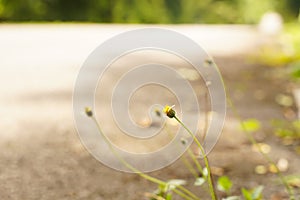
{"x": 210, "y": 180}
{"x": 186, "y": 162}
{"x": 192, "y": 195}
{"x": 154, "y": 196}
{"x": 186, "y": 194}
{"x": 266, "y": 156}
{"x": 124, "y": 162}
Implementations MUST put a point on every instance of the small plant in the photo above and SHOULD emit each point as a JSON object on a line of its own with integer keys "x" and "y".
{"x": 172, "y": 114}
{"x": 176, "y": 188}
{"x": 224, "y": 184}
{"x": 284, "y": 50}
{"x": 294, "y": 70}
{"x": 254, "y": 194}
{"x": 250, "y": 126}
{"x": 293, "y": 180}
{"x": 166, "y": 189}
{"x": 287, "y": 130}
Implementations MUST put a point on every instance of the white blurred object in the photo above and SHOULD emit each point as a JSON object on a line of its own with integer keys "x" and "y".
{"x": 271, "y": 23}
{"x": 283, "y": 164}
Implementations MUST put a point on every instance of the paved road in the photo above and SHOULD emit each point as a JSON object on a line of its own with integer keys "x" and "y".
{"x": 39, "y": 63}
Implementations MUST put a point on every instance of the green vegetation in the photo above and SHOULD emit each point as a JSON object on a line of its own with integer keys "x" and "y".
{"x": 146, "y": 11}
{"x": 250, "y": 125}
{"x": 254, "y": 194}
{"x": 285, "y": 51}
{"x": 293, "y": 32}
{"x": 224, "y": 184}
{"x": 288, "y": 132}
{"x": 166, "y": 189}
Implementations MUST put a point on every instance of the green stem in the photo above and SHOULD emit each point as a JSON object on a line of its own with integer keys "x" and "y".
{"x": 210, "y": 179}
{"x": 266, "y": 156}
{"x": 186, "y": 194}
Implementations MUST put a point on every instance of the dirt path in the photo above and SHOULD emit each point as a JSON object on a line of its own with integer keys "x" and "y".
{"x": 41, "y": 156}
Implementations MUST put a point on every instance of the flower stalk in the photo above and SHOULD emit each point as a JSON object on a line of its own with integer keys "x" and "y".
{"x": 181, "y": 191}
{"x": 250, "y": 137}
{"x": 170, "y": 112}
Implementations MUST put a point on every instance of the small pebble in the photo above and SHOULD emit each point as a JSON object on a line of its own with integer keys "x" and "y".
{"x": 260, "y": 169}
{"x": 284, "y": 100}
{"x": 283, "y": 164}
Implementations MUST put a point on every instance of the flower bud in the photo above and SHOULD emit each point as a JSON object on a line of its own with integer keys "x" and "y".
{"x": 88, "y": 111}
{"x": 169, "y": 111}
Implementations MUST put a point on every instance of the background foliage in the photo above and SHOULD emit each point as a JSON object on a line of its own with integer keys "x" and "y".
{"x": 146, "y": 11}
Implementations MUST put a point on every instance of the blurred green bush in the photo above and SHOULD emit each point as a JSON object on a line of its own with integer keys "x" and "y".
{"x": 283, "y": 51}
{"x": 146, "y": 11}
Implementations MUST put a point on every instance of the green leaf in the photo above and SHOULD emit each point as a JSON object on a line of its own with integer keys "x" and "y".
{"x": 280, "y": 132}
{"x": 295, "y": 69}
{"x": 169, "y": 196}
{"x": 293, "y": 180}
{"x": 162, "y": 188}
{"x": 199, "y": 181}
{"x": 246, "y": 194}
{"x": 257, "y": 192}
{"x": 174, "y": 183}
{"x": 250, "y": 125}
{"x": 224, "y": 184}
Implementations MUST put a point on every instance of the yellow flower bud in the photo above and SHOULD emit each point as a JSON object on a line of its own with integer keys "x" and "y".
{"x": 88, "y": 111}
{"x": 169, "y": 111}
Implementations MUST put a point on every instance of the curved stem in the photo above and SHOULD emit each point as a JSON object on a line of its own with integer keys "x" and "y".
{"x": 267, "y": 157}
{"x": 210, "y": 179}
{"x": 184, "y": 193}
